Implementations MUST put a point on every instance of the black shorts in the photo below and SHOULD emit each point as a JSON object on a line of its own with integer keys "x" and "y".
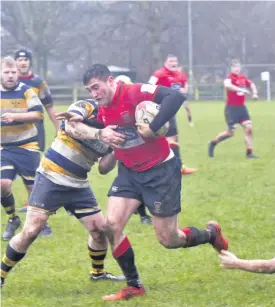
{"x": 47, "y": 197}
{"x": 236, "y": 115}
{"x": 158, "y": 188}
{"x": 19, "y": 161}
{"x": 173, "y": 130}
{"x": 41, "y": 135}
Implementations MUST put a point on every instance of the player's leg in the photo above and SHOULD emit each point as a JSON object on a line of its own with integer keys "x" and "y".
{"x": 119, "y": 211}
{"x": 123, "y": 201}
{"x": 162, "y": 194}
{"x": 188, "y": 113}
{"x": 171, "y": 236}
{"x": 83, "y": 205}
{"x": 173, "y": 141}
{"x": 41, "y": 138}
{"x": 18, "y": 245}
{"x": 247, "y": 126}
{"x": 27, "y": 165}
{"x": 246, "y": 123}
{"x": 231, "y": 120}
{"x": 46, "y": 231}
{"x": 8, "y": 174}
{"x": 41, "y": 135}
{"x": 144, "y": 217}
{"x": 97, "y": 248}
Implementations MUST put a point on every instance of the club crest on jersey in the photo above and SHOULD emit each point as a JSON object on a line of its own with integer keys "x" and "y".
{"x": 15, "y": 102}
{"x": 157, "y": 206}
{"x": 126, "y": 117}
{"x": 80, "y": 104}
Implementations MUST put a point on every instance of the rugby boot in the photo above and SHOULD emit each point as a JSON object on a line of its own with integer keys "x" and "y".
{"x": 106, "y": 276}
{"x": 13, "y": 225}
{"x": 211, "y": 148}
{"x": 218, "y": 241}
{"x": 125, "y": 294}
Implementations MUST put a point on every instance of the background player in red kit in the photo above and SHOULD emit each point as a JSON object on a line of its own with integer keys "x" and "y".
{"x": 171, "y": 76}
{"x": 236, "y": 112}
{"x": 148, "y": 171}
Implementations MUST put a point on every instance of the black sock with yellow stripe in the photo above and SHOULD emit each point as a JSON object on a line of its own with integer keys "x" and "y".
{"x": 8, "y": 204}
{"x": 9, "y": 260}
{"x": 97, "y": 257}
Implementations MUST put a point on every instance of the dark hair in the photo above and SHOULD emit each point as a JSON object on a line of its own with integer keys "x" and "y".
{"x": 98, "y": 71}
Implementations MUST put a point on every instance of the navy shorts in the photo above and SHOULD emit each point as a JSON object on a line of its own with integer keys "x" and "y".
{"x": 41, "y": 135}
{"x": 48, "y": 197}
{"x": 19, "y": 161}
{"x": 158, "y": 188}
{"x": 236, "y": 115}
{"x": 173, "y": 130}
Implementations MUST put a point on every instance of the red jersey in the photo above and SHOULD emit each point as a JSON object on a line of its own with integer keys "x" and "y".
{"x": 136, "y": 153}
{"x": 237, "y": 98}
{"x": 173, "y": 79}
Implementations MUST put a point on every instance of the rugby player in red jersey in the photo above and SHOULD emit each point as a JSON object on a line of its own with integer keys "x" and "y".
{"x": 148, "y": 170}
{"x": 171, "y": 76}
{"x": 236, "y": 112}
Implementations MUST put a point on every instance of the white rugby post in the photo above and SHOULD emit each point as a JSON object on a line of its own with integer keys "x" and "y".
{"x": 265, "y": 76}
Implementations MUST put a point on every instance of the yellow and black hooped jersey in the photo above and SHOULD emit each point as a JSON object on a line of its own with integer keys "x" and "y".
{"x": 22, "y": 99}
{"x": 40, "y": 87}
{"x": 68, "y": 160}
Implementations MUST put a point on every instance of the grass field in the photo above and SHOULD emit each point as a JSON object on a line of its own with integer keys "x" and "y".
{"x": 238, "y": 193}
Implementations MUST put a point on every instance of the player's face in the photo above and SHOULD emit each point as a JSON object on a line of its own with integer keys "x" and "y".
{"x": 236, "y": 69}
{"x": 9, "y": 76}
{"x": 23, "y": 65}
{"x": 101, "y": 91}
{"x": 172, "y": 63}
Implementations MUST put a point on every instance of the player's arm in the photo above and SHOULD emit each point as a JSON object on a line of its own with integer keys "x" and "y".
{"x": 34, "y": 113}
{"x": 77, "y": 123}
{"x": 47, "y": 101}
{"x": 230, "y": 261}
{"x": 184, "y": 90}
{"x": 154, "y": 80}
{"x": 257, "y": 266}
{"x": 51, "y": 112}
{"x": 107, "y": 164}
{"x": 229, "y": 86}
{"x": 107, "y": 135}
{"x": 184, "y": 83}
{"x": 81, "y": 131}
{"x": 170, "y": 102}
{"x": 253, "y": 90}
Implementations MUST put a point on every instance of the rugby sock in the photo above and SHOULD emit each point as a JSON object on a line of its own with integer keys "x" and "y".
{"x": 97, "y": 257}
{"x": 249, "y": 151}
{"x": 125, "y": 257}
{"x": 9, "y": 260}
{"x": 195, "y": 236}
{"x": 176, "y": 151}
{"x": 189, "y": 117}
{"x": 9, "y": 206}
{"x": 141, "y": 210}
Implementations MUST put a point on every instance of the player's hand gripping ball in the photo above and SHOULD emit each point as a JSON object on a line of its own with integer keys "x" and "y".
{"x": 145, "y": 112}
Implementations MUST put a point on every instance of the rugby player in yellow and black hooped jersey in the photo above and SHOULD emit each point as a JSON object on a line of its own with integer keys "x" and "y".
{"x": 20, "y": 109}
{"x": 62, "y": 181}
{"x": 23, "y": 59}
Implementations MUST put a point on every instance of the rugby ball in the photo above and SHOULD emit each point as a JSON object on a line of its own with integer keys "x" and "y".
{"x": 145, "y": 113}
